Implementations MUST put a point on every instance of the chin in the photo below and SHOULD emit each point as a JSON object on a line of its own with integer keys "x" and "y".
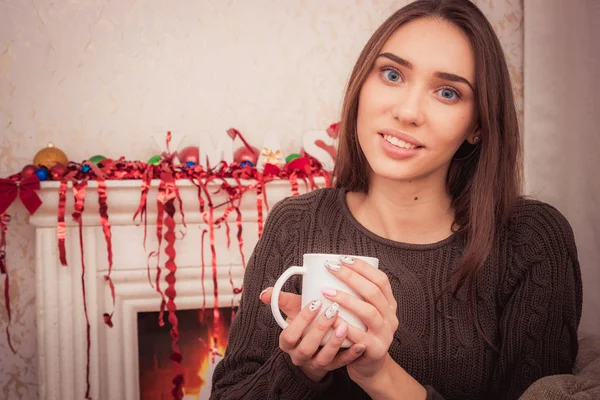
{"x": 389, "y": 170}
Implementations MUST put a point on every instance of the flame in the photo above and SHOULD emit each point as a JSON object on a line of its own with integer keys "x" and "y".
{"x": 202, "y": 349}
{"x": 211, "y": 356}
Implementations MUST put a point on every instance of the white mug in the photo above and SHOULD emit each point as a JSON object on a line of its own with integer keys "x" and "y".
{"x": 315, "y": 276}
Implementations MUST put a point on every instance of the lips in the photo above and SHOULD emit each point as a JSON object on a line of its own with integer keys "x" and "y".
{"x": 400, "y": 139}
{"x": 398, "y": 148}
{"x": 399, "y": 143}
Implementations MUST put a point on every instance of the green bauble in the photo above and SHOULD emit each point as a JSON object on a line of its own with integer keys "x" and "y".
{"x": 292, "y": 157}
{"x": 154, "y": 160}
{"x": 96, "y": 159}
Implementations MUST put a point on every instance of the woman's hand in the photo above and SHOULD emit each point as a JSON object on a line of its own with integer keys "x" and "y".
{"x": 305, "y": 348}
{"x": 377, "y": 311}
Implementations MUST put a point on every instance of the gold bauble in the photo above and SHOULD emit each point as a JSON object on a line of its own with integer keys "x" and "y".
{"x": 50, "y": 156}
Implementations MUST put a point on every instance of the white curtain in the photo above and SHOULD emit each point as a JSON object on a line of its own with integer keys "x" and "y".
{"x": 561, "y": 126}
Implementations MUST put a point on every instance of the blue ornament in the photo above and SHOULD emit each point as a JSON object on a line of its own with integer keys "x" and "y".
{"x": 42, "y": 174}
{"x": 246, "y": 163}
{"x": 190, "y": 163}
{"x": 85, "y": 169}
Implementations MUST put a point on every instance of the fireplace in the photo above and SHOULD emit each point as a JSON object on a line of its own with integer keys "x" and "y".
{"x": 115, "y": 354}
{"x": 202, "y": 344}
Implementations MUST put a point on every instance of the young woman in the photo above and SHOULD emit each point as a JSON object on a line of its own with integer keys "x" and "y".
{"x": 478, "y": 294}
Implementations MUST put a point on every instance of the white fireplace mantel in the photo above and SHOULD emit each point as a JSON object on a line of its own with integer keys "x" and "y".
{"x": 61, "y": 321}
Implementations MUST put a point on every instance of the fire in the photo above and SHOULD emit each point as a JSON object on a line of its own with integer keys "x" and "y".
{"x": 202, "y": 346}
{"x": 211, "y": 354}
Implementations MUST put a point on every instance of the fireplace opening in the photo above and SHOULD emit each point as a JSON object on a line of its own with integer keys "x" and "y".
{"x": 197, "y": 338}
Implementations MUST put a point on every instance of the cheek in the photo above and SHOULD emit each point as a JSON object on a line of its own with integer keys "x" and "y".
{"x": 452, "y": 125}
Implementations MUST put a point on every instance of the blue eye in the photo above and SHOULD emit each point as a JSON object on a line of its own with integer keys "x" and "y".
{"x": 449, "y": 94}
{"x": 391, "y": 75}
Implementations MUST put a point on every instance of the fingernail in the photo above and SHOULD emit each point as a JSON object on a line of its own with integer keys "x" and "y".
{"x": 262, "y": 293}
{"x": 347, "y": 260}
{"x": 314, "y": 305}
{"x": 360, "y": 349}
{"x": 332, "y": 267}
{"x": 340, "y": 331}
{"x": 332, "y": 310}
{"x": 327, "y": 291}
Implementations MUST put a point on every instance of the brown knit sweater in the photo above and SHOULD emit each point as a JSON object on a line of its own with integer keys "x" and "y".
{"x": 529, "y": 305}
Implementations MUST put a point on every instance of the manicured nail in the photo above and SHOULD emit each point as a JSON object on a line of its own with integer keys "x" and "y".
{"x": 314, "y": 305}
{"x": 340, "y": 331}
{"x": 347, "y": 260}
{"x": 332, "y": 310}
{"x": 262, "y": 293}
{"x": 327, "y": 291}
{"x": 360, "y": 348}
{"x": 332, "y": 267}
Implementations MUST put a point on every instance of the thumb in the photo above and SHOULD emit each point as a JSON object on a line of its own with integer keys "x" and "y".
{"x": 289, "y": 303}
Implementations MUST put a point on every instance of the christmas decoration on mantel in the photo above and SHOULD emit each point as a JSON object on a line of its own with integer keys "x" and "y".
{"x": 249, "y": 164}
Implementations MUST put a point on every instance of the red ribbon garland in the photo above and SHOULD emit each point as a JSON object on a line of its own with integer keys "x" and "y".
{"x": 25, "y": 190}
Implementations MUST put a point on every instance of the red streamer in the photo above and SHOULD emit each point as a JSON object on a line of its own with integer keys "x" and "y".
{"x": 160, "y": 201}
{"x": 168, "y": 197}
{"x": 61, "y": 230}
{"x": 146, "y": 180}
{"x": 106, "y": 229}
{"x": 259, "y": 207}
{"x": 202, "y": 314}
{"x": 4, "y": 219}
{"x": 79, "y": 189}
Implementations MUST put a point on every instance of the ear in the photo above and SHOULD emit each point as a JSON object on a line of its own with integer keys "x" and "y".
{"x": 475, "y": 137}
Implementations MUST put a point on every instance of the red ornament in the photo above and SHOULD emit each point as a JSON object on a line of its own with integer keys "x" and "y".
{"x": 190, "y": 153}
{"x": 245, "y": 154}
{"x": 58, "y": 171}
{"x": 27, "y": 171}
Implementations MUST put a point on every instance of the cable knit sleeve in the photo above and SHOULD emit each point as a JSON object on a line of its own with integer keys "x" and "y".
{"x": 541, "y": 301}
{"x": 254, "y": 367}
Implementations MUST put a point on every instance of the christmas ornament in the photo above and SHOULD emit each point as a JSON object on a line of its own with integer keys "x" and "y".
{"x": 27, "y": 171}
{"x": 243, "y": 154}
{"x": 58, "y": 171}
{"x": 246, "y": 163}
{"x": 96, "y": 159}
{"x": 292, "y": 157}
{"x": 42, "y": 174}
{"x": 85, "y": 169}
{"x": 297, "y": 164}
{"x": 190, "y": 153}
{"x": 270, "y": 156}
{"x": 154, "y": 160}
{"x": 50, "y": 156}
{"x": 270, "y": 153}
{"x": 190, "y": 163}
{"x": 246, "y": 153}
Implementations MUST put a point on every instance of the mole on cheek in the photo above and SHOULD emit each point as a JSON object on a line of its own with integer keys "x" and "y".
{"x": 416, "y": 198}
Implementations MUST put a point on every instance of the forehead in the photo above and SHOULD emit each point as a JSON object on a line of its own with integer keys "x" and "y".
{"x": 433, "y": 45}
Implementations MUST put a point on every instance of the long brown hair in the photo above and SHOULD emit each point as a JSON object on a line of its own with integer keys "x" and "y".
{"x": 484, "y": 181}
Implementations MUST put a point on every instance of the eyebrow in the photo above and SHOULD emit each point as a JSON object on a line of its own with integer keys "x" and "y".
{"x": 443, "y": 75}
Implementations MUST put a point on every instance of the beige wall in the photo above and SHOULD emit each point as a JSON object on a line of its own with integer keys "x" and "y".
{"x": 103, "y": 76}
{"x": 562, "y": 138}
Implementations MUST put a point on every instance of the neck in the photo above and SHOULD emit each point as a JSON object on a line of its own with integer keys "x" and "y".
{"x": 409, "y": 212}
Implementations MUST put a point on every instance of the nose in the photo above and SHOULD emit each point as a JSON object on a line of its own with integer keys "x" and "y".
{"x": 408, "y": 107}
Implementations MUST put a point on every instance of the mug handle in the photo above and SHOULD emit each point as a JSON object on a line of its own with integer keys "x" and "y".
{"x": 277, "y": 290}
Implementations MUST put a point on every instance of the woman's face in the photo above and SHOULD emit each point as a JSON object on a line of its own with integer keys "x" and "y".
{"x": 417, "y": 105}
